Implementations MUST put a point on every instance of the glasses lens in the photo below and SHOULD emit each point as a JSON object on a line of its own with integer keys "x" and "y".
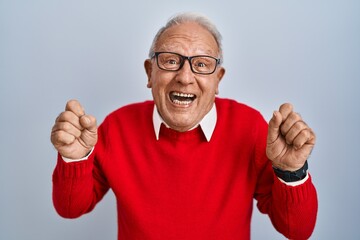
{"x": 203, "y": 64}
{"x": 169, "y": 61}
{"x": 173, "y": 62}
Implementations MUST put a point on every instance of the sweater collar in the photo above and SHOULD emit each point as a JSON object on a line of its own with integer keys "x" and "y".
{"x": 207, "y": 123}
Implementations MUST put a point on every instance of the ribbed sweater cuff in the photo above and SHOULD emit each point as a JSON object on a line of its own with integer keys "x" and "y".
{"x": 292, "y": 194}
{"x": 74, "y": 169}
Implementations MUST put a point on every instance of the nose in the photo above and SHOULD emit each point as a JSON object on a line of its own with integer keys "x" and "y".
{"x": 185, "y": 75}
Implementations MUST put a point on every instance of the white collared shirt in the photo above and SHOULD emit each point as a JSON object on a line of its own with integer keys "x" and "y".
{"x": 207, "y": 123}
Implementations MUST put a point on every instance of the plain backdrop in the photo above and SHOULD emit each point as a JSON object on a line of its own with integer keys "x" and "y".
{"x": 306, "y": 52}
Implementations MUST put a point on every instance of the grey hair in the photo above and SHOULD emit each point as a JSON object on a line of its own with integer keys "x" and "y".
{"x": 189, "y": 17}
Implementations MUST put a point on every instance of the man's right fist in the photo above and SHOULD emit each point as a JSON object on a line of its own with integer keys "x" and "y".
{"x": 74, "y": 134}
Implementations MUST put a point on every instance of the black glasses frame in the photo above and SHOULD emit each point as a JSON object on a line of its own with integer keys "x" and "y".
{"x": 183, "y": 58}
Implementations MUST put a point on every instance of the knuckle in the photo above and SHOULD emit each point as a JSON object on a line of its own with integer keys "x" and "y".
{"x": 59, "y": 117}
{"x": 56, "y": 137}
{"x": 63, "y": 137}
{"x": 59, "y": 136}
{"x": 67, "y": 115}
{"x": 64, "y": 116}
{"x": 66, "y": 126}
{"x": 54, "y": 128}
{"x": 284, "y": 130}
{"x": 302, "y": 137}
{"x": 53, "y": 138}
{"x": 299, "y": 126}
{"x": 294, "y": 116}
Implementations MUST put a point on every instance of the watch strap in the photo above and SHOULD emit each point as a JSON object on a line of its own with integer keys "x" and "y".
{"x": 289, "y": 176}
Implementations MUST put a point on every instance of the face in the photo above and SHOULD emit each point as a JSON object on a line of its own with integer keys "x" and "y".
{"x": 183, "y": 98}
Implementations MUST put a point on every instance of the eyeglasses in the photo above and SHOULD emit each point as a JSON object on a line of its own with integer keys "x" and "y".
{"x": 201, "y": 64}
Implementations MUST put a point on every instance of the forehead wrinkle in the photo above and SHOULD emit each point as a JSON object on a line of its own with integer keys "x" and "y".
{"x": 193, "y": 46}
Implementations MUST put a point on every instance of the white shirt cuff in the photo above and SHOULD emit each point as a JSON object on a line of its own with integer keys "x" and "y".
{"x": 69, "y": 160}
{"x": 297, "y": 183}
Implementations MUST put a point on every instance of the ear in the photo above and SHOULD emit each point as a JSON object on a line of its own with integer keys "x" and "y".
{"x": 220, "y": 74}
{"x": 148, "y": 70}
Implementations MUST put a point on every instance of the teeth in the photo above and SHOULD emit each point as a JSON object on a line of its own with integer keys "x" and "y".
{"x": 182, "y": 98}
{"x": 181, "y": 102}
{"x": 183, "y": 94}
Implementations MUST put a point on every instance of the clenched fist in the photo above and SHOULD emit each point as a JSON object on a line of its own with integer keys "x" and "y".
{"x": 290, "y": 140}
{"x": 74, "y": 133}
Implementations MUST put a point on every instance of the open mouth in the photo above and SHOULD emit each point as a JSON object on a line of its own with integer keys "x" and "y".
{"x": 182, "y": 98}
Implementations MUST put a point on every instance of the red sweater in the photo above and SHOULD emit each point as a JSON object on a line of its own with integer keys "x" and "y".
{"x": 181, "y": 186}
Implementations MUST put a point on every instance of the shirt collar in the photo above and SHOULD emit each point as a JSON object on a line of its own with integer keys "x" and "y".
{"x": 207, "y": 123}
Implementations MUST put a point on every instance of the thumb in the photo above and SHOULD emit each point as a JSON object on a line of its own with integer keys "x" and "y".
{"x": 274, "y": 127}
{"x": 88, "y": 122}
{"x": 89, "y": 133}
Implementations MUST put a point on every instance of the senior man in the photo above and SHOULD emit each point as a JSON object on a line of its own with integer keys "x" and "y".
{"x": 188, "y": 164}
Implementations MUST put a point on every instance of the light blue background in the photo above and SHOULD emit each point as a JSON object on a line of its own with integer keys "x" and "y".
{"x": 305, "y": 52}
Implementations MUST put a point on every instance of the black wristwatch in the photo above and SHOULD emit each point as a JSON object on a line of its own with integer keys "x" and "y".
{"x": 289, "y": 176}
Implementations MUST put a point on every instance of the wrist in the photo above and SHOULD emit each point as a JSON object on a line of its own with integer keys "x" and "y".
{"x": 68, "y": 160}
{"x": 292, "y": 176}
